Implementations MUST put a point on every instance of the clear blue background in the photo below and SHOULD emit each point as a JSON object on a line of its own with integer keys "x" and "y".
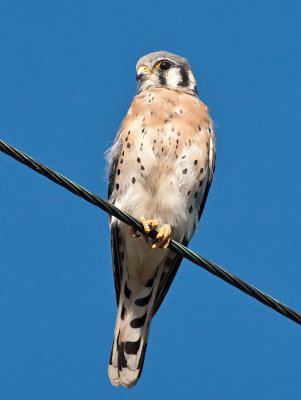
{"x": 67, "y": 77}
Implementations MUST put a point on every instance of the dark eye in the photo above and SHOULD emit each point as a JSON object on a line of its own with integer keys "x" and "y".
{"x": 164, "y": 65}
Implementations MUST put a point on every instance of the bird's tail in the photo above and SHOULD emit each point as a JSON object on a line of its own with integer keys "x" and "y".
{"x": 135, "y": 311}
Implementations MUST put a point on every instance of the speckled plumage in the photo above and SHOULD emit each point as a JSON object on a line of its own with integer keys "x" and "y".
{"x": 161, "y": 166}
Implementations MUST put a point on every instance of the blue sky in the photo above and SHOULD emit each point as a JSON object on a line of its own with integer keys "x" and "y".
{"x": 67, "y": 77}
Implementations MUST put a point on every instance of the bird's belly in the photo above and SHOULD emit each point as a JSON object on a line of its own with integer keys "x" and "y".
{"x": 155, "y": 188}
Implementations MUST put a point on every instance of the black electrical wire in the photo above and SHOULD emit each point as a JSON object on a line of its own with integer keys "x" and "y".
{"x": 129, "y": 220}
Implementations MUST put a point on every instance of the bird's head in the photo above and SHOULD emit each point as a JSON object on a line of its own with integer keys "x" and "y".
{"x": 163, "y": 69}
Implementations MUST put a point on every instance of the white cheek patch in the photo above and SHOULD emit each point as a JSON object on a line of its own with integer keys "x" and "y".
{"x": 173, "y": 78}
{"x": 192, "y": 81}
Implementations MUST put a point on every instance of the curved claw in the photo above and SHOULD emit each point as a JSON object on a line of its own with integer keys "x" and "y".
{"x": 148, "y": 224}
{"x": 163, "y": 238}
{"x": 135, "y": 233}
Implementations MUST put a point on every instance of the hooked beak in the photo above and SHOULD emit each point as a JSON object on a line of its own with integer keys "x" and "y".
{"x": 143, "y": 73}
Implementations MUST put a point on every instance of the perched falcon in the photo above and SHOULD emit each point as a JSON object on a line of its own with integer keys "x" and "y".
{"x": 160, "y": 171}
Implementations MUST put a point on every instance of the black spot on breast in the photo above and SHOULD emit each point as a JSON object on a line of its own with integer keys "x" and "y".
{"x": 188, "y": 193}
{"x": 121, "y": 160}
{"x": 184, "y": 171}
{"x": 142, "y": 130}
{"x": 122, "y": 153}
{"x": 133, "y": 180}
{"x": 196, "y": 195}
{"x": 128, "y": 145}
{"x": 190, "y": 209}
{"x": 201, "y": 182}
{"x": 143, "y": 301}
{"x": 195, "y": 162}
{"x": 126, "y": 139}
{"x": 138, "y": 159}
{"x": 199, "y": 128}
{"x": 155, "y": 141}
{"x": 142, "y": 167}
{"x": 129, "y": 132}
{"x": 118, "y": 172}
{"x": 127, "y": 291}
{"x": 201, "y": 170}
{"x": 183, "y": 157}
{"x": 132, "y": 347}
{"x": 117, "y": 186}
{"x": 138, "y": 322}
{"x": 179, "y": 133}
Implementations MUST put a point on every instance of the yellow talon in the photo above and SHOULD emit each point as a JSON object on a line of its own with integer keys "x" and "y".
{"x": 163, "y": 238}
{"x": 134, "y": 233}
{"x": 147, "y": 225}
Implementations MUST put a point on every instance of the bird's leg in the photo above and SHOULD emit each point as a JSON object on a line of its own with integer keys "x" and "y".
{"x": 163, "y": 237}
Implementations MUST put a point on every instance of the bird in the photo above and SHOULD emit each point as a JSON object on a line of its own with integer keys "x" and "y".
{"x": 160, "y": 169}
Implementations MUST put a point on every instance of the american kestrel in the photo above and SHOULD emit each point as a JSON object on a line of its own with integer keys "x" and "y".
{"x": 160, "y": 171}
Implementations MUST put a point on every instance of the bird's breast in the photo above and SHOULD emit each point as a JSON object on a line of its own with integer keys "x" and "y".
{"x": 164, "y": 153}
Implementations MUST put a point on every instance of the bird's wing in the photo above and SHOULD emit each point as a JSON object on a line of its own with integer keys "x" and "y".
{"x": 116, "y": 243}
{"x": 172, "y": 265}
{"x": 174, "y": 260}
{"x": 117, "y": 258}
{"x": 211, "y": 167}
